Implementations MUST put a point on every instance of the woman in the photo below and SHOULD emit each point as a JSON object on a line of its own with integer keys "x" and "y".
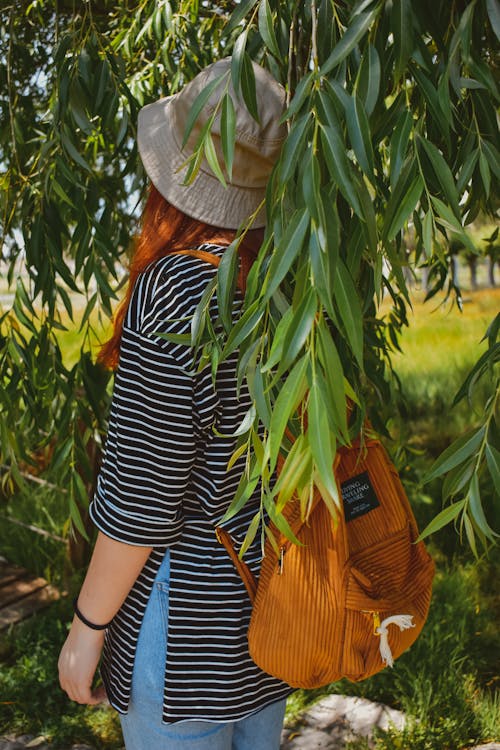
{"x": 175, "y": 613}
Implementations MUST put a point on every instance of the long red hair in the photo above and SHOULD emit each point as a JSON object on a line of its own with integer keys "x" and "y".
{"x": 165, "y": 229}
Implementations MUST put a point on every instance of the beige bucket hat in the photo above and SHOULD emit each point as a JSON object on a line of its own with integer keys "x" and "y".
{"x": 160, "y": 133}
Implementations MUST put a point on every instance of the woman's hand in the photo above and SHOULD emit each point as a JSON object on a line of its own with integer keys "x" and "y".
{"x": 113, "y": 568}
{"x": 78, "y": 662}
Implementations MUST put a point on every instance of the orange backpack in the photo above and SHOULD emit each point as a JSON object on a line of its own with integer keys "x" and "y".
{"x": 355, "y": 593}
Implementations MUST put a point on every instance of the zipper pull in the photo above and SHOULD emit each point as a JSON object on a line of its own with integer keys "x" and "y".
{"x": 281, "y": 561}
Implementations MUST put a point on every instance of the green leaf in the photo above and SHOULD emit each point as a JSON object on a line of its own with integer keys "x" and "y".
{"x": 402, "y": 31}
{"x": 244, "y": 491}
{"x": 250, "y": 535}
{"x": 432, "y": 99}
{"x": 301, "y": 94}
{"x": 212, "y": 159}
{"x": 260, "y": 396}
{"x": 320, "y": 439}
{"x": 428, "y": 233}
{"x": 469, "y": 531}
{"x": 237, "y": 60}
{"x": 198, "y": 320}
{"x": 292, "y": 149}
{"x": 368, "y": 78}
{"x": 198, "y": 105}
{"x": 243, "y": 327}
{"x": 71, "y": 150}
{"x": 349, "y": 309}
{"x": 289, "y": 397}
{"x": 286, "y": 252}
{"x": 311, "y": 177}
{"x": 442, "y": 172}
{"x": 493, "y": 157}
{"x": 493, "y": 8}
{"x": 493, "y": 463}
{"x": 236, "y": 455}
{"x": 299, "y": 329}
{"x": 334, "y": 380}
{"x": 349, "y": 39}
{"x": 402, "y": 202}
{"x": 246, "y": 423}
{"x": 484, "y": 171}
{"x": 359, "y": 134}
{"x": 248, "y": 86}
{"x": 228, "y": 132}
{"x": 447, "y": 515}
{"x": 76, "y": 518}
{"x": 238, "y": 14}
{"x": 339, "y": 165}
{"x": 321, "y": 264}
{"x": 461, "y": 449}
{"x": 467, "y": 169}
{"x": 279, "y": 520}
{"x": 226, "y": 284}
{"x": 457, "y": 478}
{"x": 296, "y": 464}
{"x": 446, "y": 218}
{"x": 277, "y": 340}
{"x": 399, "y": 145}
{"x": 266, "y": 28}
{"x": 476, "y": 509}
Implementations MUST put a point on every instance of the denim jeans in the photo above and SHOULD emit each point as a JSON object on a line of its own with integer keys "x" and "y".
{"x": 142, "y": 726}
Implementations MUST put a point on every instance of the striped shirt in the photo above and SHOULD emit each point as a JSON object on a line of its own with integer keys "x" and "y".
{"x": 165, "y": 483}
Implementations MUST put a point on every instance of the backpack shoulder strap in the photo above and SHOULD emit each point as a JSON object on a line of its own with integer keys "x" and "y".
{"x": 214, "y": 260}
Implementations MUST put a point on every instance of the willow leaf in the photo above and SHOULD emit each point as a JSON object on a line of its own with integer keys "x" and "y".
{"x": 288, "y": 249}
{"x": 228, "y": 132}
{"x": 359, "y": 134}
{"x": 339, "y": 165}
{"x": 251, "y": 534}
{"x": 461, "y": 449}
{"x": 266, "y": 28}
{"x": 443, "y": 518}
{"x": 475, "y": 508}
{"x": 349, "y": 39}
{"x": 298, "y": 330}
{"x": 198, "y": 104}
{"x": 442, "y": 171}
{"x": 320, "y": 438}
{"x": 349, "y": 310}
{"x": 368, "y": 79}
{"x": 290, "y": 394}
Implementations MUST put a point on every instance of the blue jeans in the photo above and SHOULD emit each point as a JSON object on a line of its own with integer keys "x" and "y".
{"x": 142, "y": 726}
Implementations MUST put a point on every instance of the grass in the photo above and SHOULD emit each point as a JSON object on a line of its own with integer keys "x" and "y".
{"x": 445, "y": 683}
{"x": 31, "y": 700}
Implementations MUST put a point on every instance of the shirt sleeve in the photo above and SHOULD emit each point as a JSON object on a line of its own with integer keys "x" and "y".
{"x": 151, "y": 445}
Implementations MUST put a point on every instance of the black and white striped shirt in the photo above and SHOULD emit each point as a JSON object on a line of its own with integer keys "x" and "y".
{"x": 165, "y": 482}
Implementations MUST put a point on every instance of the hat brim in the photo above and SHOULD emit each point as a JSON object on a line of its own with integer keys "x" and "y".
{"x": 205, "y": 199}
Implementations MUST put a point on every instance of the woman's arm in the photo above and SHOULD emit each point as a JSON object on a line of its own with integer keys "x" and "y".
{"x": 113, "y": 569}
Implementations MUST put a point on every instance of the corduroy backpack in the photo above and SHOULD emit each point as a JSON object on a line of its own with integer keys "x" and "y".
{"x": 355, "y": 593}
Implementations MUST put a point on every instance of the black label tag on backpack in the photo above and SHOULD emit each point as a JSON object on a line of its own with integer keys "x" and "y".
{"x": 358, "y": 496}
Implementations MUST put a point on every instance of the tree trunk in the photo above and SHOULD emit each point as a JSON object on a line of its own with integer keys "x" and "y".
{"x": 491, "y": 271}
{"x": 472, "y": 263}
{"x": 453, "y": 269}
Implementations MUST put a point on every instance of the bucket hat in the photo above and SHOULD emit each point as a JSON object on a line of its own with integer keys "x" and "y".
{"x": 160, "y": 134}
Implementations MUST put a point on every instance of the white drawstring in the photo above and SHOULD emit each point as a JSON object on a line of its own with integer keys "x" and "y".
{"x": 404, "y": 622}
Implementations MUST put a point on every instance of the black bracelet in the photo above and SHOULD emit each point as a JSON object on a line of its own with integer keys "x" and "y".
{"x": 84, "y": 619}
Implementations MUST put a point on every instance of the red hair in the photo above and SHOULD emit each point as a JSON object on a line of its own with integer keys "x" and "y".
{"x": 166, "y": 229}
